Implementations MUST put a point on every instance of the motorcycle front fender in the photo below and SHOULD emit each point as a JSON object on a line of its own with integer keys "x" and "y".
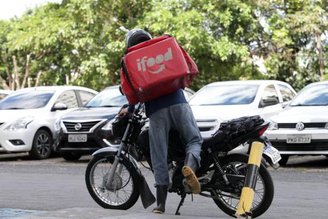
{"x": 146, "y": 195}
{"x": 113, "y": 151}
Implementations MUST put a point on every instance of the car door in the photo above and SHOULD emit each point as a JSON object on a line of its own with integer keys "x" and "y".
{"x": 269, "y": 104}
{"x": 287, "y": 94}
{"x": 84, "y": 96}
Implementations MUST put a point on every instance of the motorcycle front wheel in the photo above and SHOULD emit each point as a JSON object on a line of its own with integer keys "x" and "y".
{"x": 121, "y": 193}
{"x": 263, "y": 193}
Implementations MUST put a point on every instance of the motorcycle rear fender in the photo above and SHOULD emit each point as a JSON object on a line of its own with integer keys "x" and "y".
{"x": 245, "y": 149}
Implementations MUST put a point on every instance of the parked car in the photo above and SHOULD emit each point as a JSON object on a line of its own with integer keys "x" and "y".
{"x": 28, "y": 115}
{"x": 4, "y": 93}
{"x": 302, "y": 127}
{"x": 222, "y": 101}
{"x": 83, "y": 130}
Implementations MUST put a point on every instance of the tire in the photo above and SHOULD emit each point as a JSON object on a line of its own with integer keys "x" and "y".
{"x": 42, "y": 145}
{"x": 124, "y": 195}
{"x": 264, "y": 185}
{"x": 71, "y": 156}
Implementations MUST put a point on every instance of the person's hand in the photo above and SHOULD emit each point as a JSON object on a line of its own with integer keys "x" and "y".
{"x": 123, "y": 112}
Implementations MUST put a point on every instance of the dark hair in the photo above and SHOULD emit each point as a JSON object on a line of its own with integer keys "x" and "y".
{"x": 136, "y": 36}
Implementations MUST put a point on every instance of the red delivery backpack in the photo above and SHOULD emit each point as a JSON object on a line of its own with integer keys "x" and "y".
{"x": 155, "y": 68}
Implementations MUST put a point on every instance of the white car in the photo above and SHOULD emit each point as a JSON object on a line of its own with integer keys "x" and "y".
{"x": 4, "y": 93}
{"x": 222, "y": 101}
{"x": 28, "y": 115}
{"x": 302, "y": 127}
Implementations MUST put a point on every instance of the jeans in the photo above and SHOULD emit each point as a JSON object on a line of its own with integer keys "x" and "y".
{"x": 181, "y": 118}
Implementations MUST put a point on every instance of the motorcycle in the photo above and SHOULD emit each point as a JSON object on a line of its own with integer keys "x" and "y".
{"x": 115, "y": 181}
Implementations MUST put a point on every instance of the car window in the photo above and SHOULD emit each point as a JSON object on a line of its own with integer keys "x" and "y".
{"x": 85, "y": 96}
{"x": 108, "y": 97}
{"x": 225, "y": 95}
{"x": 26, "y": 100}
{"x": 269, "y": 96}
{"x": 68, "y": 98}
{"x": 286, "y": 92}
{"x": 316, "y": 95}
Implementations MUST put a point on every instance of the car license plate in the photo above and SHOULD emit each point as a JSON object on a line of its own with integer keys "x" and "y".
{"x": 298, "y": 139}
{"x": 272, "y": 153}
{"x": 77, "y": 138}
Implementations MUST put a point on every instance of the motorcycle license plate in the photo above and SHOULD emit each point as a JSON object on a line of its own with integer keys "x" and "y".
{"x": 272, "y": 153}
{"x": 78, "y": 138}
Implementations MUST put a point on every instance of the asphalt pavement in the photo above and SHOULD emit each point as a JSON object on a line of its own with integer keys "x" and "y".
{"x": 95, "y": 213}
{"x": 300, "y": 192}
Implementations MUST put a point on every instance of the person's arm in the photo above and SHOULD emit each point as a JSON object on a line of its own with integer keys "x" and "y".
{"x": 126, "y": 110}
{"x": 131, "y": 108}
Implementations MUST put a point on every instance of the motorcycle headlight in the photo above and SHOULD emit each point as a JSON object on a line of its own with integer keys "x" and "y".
{"x": 20, "y": 123}
{"x": 273, "y": 125}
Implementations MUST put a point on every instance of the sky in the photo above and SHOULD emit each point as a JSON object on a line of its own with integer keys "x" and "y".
{"x": 12, "y": 8}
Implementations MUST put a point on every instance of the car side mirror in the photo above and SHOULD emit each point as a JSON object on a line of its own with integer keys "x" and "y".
{"x": 269, "y": 101}
{"x": 285, "y": 104}
{"x": 59, "y": 106}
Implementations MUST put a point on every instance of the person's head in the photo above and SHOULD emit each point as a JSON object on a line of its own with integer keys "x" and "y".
{"x": 136, "y": 36}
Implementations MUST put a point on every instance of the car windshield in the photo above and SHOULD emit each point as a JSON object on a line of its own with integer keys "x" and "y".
{"x": 110, "y": 97}
{"x": 26, "y": 100}
{"x": 313, "y": 95}
{"x": 225, "y": 95}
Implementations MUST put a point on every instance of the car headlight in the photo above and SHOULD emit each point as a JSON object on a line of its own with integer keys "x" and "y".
{"x": 273, "y": 125}
{"x": 108, "y": 126}
{"x": 20, "y": 123}
{"x": 57, "y": 125}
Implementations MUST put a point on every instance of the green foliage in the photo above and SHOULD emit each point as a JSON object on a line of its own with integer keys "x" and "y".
{"x": 81, "y": 42}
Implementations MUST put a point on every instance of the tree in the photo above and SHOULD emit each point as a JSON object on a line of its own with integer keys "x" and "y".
{"x": 294, "y": 33}
{"x": 32, "y": 45}
{"x": 215, "y": 33}
{"x": 81, "y": 42}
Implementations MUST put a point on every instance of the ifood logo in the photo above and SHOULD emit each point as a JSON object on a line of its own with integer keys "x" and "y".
{"x": 159, "y": 60}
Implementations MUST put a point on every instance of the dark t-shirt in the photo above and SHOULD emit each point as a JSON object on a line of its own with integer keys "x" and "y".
{"x": 170, "y": 99}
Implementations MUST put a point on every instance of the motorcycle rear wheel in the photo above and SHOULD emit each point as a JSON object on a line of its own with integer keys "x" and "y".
{"x": 122, "y": 193}
{"x": 264, "y": 190}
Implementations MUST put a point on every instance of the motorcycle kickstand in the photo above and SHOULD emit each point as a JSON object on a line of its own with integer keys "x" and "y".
{"x": 183, "y": 196}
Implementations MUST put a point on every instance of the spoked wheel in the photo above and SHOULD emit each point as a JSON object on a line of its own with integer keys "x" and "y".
{"x": 263, "y": 192}
{"x": 121, "y": 193}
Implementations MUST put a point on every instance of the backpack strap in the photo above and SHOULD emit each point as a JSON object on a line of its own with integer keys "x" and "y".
{"x": 126, "y": 75}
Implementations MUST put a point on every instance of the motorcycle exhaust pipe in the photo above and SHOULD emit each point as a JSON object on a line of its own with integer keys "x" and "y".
{"x": 247, "y": 193}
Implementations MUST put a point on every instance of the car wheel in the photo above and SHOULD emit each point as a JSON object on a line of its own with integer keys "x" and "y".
{"x": 284, "y": 160}
{"x": 71, "y": 156}
{"x": 42, "y": 145}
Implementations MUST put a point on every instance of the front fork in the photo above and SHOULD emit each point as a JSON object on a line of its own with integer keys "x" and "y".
{"x": 117, "y": 157}
{"x": 247, "y": 193}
